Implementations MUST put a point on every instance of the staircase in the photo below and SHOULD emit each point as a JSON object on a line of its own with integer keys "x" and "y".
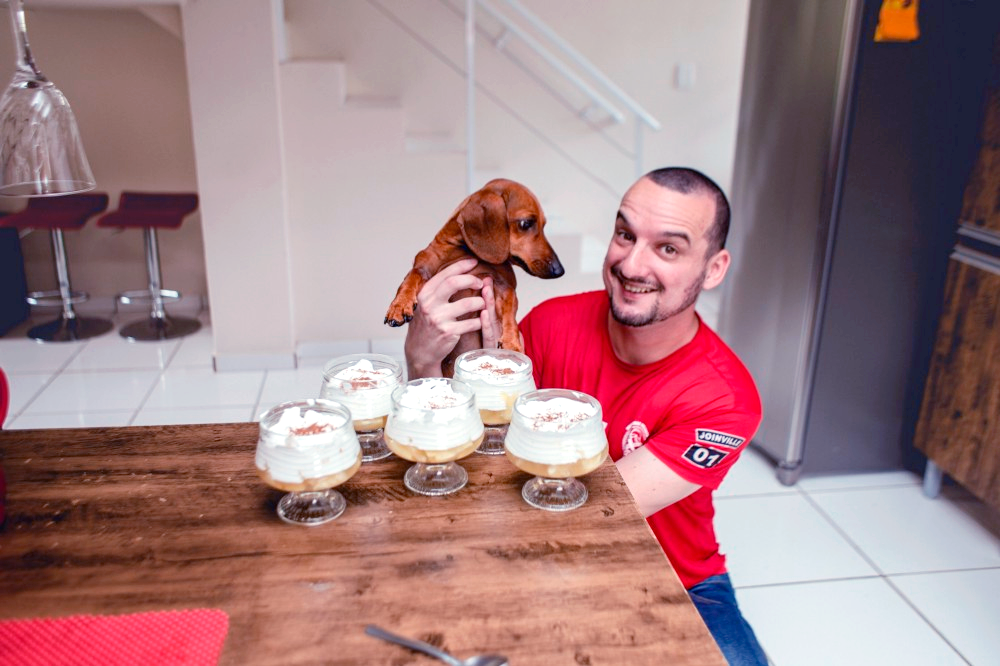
{"x": 375, "y": 157}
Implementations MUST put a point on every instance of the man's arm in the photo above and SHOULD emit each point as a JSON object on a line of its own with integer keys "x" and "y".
{"x": 436, "y": 327}
{"x": 652, "y": 483}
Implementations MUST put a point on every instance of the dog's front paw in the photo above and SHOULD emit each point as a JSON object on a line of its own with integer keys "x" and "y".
{"x": 511, "y": 342}
{"x": 399, "y": 314}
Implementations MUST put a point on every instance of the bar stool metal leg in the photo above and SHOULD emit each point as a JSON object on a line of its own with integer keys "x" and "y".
{"x": 158, "y": 326}
{"x": 69, "y": 326}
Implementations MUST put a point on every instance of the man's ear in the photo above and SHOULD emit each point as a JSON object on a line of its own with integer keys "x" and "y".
{"x": 483, "y": 221}
{"x": 716, "y": 269}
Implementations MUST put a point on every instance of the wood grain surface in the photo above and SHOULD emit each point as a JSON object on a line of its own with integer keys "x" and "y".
{"x": 959, "y": 427}
{"x": 980, "y": 205}
{"x": 122, "y": 520}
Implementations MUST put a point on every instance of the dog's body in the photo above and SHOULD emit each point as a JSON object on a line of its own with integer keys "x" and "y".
{"x": 500, "y": 224}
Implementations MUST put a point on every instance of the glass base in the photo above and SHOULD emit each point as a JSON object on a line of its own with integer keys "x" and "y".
{"x": 373, "y": 446}
{"x": 440, "y": 479}
{"x": 554, "y": 494}
{"x": 493, "y": 440}
{"x": 312, "y": 507}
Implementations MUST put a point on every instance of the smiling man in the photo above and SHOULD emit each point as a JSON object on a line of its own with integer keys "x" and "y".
{"x": 680, "y": 406}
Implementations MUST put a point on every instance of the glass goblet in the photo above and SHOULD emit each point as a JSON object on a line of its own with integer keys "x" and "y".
{"x": 498, "y": 377}
{"x": 40, "y": 149}
{"x": 433, "y": 423}
{"x": 307, "y": 448}
{"x": 557, "y": 435}
{"x": 364, "y": 384}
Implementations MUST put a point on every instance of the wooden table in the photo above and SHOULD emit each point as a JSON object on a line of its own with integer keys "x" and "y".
{"x": 123, "y": 520}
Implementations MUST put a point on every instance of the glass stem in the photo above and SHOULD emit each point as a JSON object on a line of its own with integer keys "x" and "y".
{"x": 25, "y": 62}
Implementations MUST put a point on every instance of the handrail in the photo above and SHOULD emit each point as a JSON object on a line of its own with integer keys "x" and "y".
{"x": 582, "y": 61}
{"x": 557, "y": 64}
{"x": 641, "y": 115}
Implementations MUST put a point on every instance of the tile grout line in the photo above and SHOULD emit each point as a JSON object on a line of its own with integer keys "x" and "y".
{"x": 843, "y": 533}
{"x": 59, "y": 370}
{"x": 260, "y": 394}
{"x": 881, "y": 574}
{"x": 926, "y": 620}
{"x": 156, "y": 381}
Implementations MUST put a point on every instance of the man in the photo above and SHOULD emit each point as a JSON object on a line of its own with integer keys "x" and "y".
{"x": 680, "y": 406}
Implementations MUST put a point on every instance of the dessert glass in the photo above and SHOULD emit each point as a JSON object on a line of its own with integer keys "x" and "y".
{"x": 307, "y": 448}
{"x": 433, "y": 423}
{"x": 557, "y": 435}
{"x": 498, "y": 377}
{"x": 364, "y": 384}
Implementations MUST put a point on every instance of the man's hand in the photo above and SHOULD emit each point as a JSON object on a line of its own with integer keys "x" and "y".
{"x": 436, "y": 327}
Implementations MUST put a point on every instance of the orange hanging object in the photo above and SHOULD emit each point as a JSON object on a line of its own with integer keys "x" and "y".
{"x": 897, "y": 21}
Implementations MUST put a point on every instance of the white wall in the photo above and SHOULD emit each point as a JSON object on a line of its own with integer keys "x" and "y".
{"x": 125, "y": 80}
{"x": 233, "y": 79}
{"x": 312, "y": 210}
{"x": 406, "y": 57}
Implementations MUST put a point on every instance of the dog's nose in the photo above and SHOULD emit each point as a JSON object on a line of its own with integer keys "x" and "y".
{"x": 555, "y": 268}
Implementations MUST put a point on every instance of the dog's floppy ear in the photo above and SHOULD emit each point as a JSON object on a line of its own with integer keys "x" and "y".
{"x": 483, "y": 221}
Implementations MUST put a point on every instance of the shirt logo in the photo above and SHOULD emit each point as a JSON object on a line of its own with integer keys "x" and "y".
{"x": 704, "y": 457}
{"x": 706, "y": 436}
{"x": 635, "y": 436}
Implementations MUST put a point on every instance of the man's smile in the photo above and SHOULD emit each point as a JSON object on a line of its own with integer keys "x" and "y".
{"x": 631, "y": 286}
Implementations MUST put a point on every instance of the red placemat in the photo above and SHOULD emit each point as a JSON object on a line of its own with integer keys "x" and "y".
{"x": 175, "y": 638}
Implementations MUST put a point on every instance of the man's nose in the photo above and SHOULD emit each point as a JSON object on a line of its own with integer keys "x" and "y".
{"x": 632, "y": 264}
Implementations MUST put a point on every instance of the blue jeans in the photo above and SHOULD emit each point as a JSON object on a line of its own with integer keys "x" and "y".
{"x": 715, "y": 599}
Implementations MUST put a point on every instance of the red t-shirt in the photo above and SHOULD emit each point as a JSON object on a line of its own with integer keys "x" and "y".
{"x": 696, "y": 410}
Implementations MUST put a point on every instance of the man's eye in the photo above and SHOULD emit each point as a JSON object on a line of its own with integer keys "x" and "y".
{"x": 525, "y": 224}
{"x": 669, "y": 249}
{"x": 624, "y": 235}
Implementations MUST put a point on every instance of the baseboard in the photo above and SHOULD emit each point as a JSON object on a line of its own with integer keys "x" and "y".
{"x": 331, "y": 348}
{"x": 246, "y": 362}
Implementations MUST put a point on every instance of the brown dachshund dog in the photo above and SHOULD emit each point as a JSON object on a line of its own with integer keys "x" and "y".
{"x": 500, "y": 224}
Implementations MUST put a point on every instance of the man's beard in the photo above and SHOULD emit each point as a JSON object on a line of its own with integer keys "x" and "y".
{"x": 654, "y": 315}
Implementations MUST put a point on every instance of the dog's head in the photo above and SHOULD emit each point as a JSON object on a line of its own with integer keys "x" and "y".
{"x": 504, "y": 221}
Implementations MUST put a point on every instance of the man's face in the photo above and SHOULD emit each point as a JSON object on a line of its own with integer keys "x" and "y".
{"x": 659, "y": 259}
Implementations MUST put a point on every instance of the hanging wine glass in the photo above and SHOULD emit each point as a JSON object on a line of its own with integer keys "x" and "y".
{"x": 40, "y": 149}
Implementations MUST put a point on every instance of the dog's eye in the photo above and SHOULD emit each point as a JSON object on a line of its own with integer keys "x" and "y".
{"x": 525, "y": 224}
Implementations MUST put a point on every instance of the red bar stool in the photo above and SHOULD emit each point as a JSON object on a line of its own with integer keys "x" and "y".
{"x": 55, "y": 214}
{"x": 150, "y": 211}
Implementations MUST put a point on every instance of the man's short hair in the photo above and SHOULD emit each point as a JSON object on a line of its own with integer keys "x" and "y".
{"x": 689, "y": 181}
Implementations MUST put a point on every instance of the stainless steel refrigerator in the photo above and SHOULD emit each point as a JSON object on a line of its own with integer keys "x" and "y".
{"x": 850, "y": 164}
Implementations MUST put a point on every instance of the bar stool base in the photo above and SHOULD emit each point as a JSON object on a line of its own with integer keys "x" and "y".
{"x": 70, "y": 330}
{"x": 155, "y": 328}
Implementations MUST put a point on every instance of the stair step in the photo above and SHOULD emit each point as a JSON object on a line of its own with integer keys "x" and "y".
{"x": 433, "y": 142}
{"x": 372, "y": 102}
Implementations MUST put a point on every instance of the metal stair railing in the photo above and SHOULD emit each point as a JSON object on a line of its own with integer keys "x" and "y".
{"x": 642, "y": 118}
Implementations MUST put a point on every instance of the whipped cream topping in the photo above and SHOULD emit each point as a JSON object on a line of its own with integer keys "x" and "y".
{"x": 497, "y": 378}
{"x": 363, "y": 375}
{"x": 556, "y": 414}
{"x": 306, "y": 444}
{"x": 556, "y": 431}
{"x": 431, "y": 415}
{"x": 493, "y": 369}
{"x": 364, "y": 389}
{"x": 433, "y": 394}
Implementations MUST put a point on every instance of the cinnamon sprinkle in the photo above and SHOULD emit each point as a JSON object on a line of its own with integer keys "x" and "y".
{"x": 492, "y": 369}
{"x": 312, "y": 429}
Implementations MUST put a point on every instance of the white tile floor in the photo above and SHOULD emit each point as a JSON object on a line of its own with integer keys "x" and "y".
{"x": 847, "y": 570}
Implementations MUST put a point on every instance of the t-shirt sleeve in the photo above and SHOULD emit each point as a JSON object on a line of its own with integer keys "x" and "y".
{"x": 532, "y": 344}
{"x": 702, "y": 444}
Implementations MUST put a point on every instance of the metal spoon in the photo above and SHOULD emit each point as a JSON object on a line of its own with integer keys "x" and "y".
{"x": 427, "y": 648}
